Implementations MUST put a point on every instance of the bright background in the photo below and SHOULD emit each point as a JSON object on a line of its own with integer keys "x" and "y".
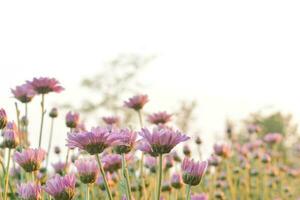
{"x": 235, "y": 57}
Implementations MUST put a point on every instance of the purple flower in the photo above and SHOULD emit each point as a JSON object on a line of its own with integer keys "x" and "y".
{"x": 3, "y": 119}
{"x": 30, "y": 159}
{"x": 160, "y": 141}
{"x": 273, "y": 138}
{"x": 193, "y": 171}
{"x": 176, "y": 181}
{"x": 72, "y": 119}
{"x": 61, "y": 187}
{"x": 112, "y": 162}
{"x": 29, "y": 191}
{"x": 60, "y": 167}
{"x": 201, "y": 196}
{"x": 150, "y": 163}
{"x": 136, "y": 102}
{"x": 94, "y": 142}
{"x": 125, "y": 140}
{"x": 159, "y": 118}
{"x": 87, "y": 169}
{"x": 11, "y": 137}
{"x": 44, "y": 85}
{"x": 222, "y": 150}
{"x": 214, "y": 160}
{"x": 24, "y": 93}
{"x": 111, "y": 120}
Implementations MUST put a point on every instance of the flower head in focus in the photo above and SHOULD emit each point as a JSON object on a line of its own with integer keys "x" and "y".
{"x": 29, "y": 191}
{"x": 136, "y": 102}
{"x": 87, "y": 169}
{"x": 193, "y": 171}
{"x": 30, "y": 159}
{"x": 44, "y": 85}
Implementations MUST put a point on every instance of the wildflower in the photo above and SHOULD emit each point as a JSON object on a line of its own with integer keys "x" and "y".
{"x": 3, "y": 119}
{"x": 136, "y": 102}
{"x": 30, "y": 159}
{"x": 160, "y": 141}
{"x": 111, "y": 120}
{"x": 87, "y": 170}
{"x": 214, "y": 160}
{"x": 186, "y": 150}
{"x": 53, "y": 113}
{"x": 44, "y": 85}
{"x": 29, "y": 191}
{"x": 176, "y": 181}
{"x": 57, "y": 150}
{"x": 112, "y": 162}
{"x": 201, "y": 196}
{"x": 169, "y": 161}
{"x": 198, "y": 140}
{"x": 159, "y": 118}
{"x": 24, "y": 93}
{"x": 72, "y": 119}
{"x": 222, "y": 150}
{"x": 273, "y": 138}
{"x": 11, "y": 138}
{"x": 60, "y": 167}
{"x": 61, "y": 187}
{"x": 193, "y": 171}
{"x": 125, "y": 140}
{"x": 150, "y": 163}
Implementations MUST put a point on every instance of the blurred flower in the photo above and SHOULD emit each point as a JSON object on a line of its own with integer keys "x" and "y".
{"x": 61, "y": 187}
{"x": 87, "y": 169}
{"x": 30, "y": 159}
{"x": 186, "y": 150}
{"x": 198, "y": 140}
{"x": 94, "y": 142}
{"x": 222, "y": 150}
{"x": 15, "y": 172}
{"x": 150, "y": 163}
{"x": 166, "y": 187}
{"x": 53, "y": 113}
{"x": 3, "y": 119}
{"x": 201, "y": 196}
{"x": 273, "y": 138}
{"x": 136, "y": 102}
{"x": 112, "y": 162}
{"x": 176, "y": 157}
{"x": 110, "y": 182}
{"x": 60, "y": 167}
{"x": 24, "y": 93}
{"x": 169, "y": 161}
{"x": 125, "y": 140}
{"x": 253, "y": 128}
{"x": 266, "y": 158}
{"x": 11, "y": 137}
{"x": 29, "y": 191}
{"x": 193, "y": 171}
{"x": 57, "y": 150}
{"x": 72, "y": 119}
{"x": 159, "y": 118}
{"x": 214, "y": 160}
{"x": 111, "y": 120}
{"x": 176, "y": 181}
{"x": 160, "y": 141}
{"x": 44, "y": 85}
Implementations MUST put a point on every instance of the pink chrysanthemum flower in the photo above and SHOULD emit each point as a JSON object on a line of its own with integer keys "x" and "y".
{"x": 159, "y": 118}
{"x": 273, "y": 138}
{"x": 111, "y": 120}
{"x": 193, "y": 171}
{"x": 60, "y": 167}
{"x": 125, "y": 140}
{"x": 176, "y": 181}
{"x": 3, "y": 119}
{"x": 94, "y": 142}
{"x": 44, "y": 85}
{"x": 160, "y": 141}
{"x": 150, "y": 163}
{"x": 24, "y": 93}
{"x": 87, "y": 169}
{"x": 201, "y": 196}
{"x": 222, "y": 150}
{"x": 30, "y": 159}
{"x": 112, "y": 162}
{"x": 169, "y": 161}
{"x": 29, "y": 191}
{"x": 61, "y": 187}
{"x": 72, "y": 119}
{"x": 136, "y": 102}
{"x": 11, "y": 137}
{"x": 214, "y": 160}
{"x": 53, "y": 113}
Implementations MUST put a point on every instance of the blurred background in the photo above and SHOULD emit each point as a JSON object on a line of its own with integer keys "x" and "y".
{"x": 213, "y": 64}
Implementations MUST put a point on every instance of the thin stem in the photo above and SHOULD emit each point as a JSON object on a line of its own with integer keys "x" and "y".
{"x": 188, "y": 192}
{"x": 50, "y": 142}
{"x": 6, "y": 174}
{"x": 87, "y": 192}
{"x": 18, "y": 120}
{"x": 104, "y": 177}
{"x": 42, "y": 119}
{"x": 126, "y": 177}
{"x": 26, "y": 125}
{"x": 159, "y": 177}
{"x": 68, "y": 154}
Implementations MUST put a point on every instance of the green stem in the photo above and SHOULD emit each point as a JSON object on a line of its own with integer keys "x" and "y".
{"x": 188, "y": 192}
{"x": 159, "y": 177}
{"x": 104, "y": 177}
{"x": 50, "y": 142}
{"x": 6, "y": 174}
{"x": 126, "y": 177}
{"x": 18, "y": 120}
{"x": 87, "y": 192}
{"x": 42, "y": 119}
{"x": 26, "y": 125}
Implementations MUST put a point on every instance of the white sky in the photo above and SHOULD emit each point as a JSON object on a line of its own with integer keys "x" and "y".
{"x": 233, "y": 56}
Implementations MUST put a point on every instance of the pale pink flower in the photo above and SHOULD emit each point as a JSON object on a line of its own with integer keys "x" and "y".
{"x": 136, "y": 102}
{"x": 94, "y": 142}
{"x": 72, "y": 119}
{"x": 125, "y": 140}
{"x": 61, "y": 187}
{"x": 111, "y": 120}
{"x": 29, "y": 191}
{"x": 24, "y": 93}
{"x": 87, "y": 169}
{"x": 11, "y": 136}
{"x": 44, "y": 85}
{"x": 160, "y": 141}
{"x": 159, "y": 118}
{"x": 273, "y": 138}
{"x": 176, "y": 181}
{"x": 60, "y": 167}
{"x": 201, "y": 196}
{"x": 222, "y": 150}
{"x": 193, "y": 171}
{"x": 150, "y": 163}
{"x": 30, "y": 159}
{"x": 112, "y": 162}
{"x": 3, "y": 119}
